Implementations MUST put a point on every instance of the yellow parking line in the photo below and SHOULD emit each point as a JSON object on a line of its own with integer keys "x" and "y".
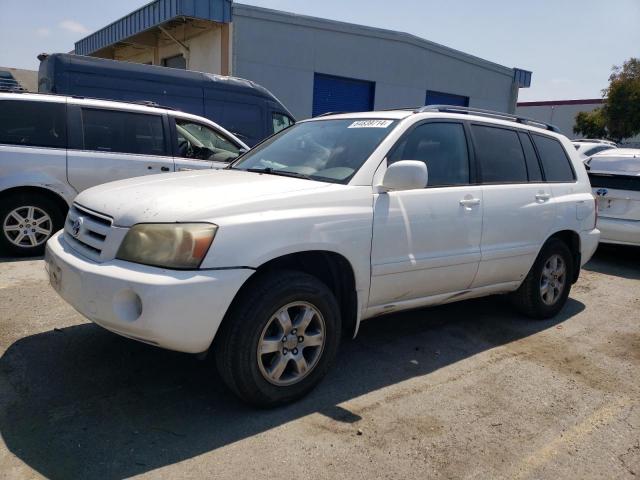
{"x": 574, "y": 435}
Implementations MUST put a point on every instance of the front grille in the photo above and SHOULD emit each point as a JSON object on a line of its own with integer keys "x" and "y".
{"x": 86, "y": 231}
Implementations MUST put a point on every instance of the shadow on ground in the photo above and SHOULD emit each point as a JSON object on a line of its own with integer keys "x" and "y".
{"x": 619, "y": 260}
{"x": 84, "y": 403}
{"x": 18, "y": 259}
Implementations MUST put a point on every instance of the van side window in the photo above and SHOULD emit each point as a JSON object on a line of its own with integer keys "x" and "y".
{"x": 556, "y": 164}
{"x": 122, "y": 132}
{"x": 34, "y": 124}
{"x": 500, "y": 155}
{"x": 533, "y": 166}
{"x": 201, "y": 142}
{"x": 281, "y": 121}
{"x": 443, "y": 147}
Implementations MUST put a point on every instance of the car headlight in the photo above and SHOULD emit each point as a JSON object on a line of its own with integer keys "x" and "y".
{"x": 178, "y": 246}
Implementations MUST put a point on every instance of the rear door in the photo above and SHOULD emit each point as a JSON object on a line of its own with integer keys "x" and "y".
{"x": 518, "y": 205}
{"x": 198, "y": 146}
{"x": 108, "y": 145}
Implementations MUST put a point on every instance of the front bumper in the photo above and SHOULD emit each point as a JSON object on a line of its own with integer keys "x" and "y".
{"x": 623, "y": 232}
{"x": 177, "y": 310}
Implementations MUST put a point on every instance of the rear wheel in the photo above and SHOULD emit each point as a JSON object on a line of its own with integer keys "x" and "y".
{"x": 545, "y": 290}
{"x": 27, "y": 222}
{"x": 279, "y": 338}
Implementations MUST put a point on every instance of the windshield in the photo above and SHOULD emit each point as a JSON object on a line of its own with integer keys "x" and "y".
{"x": 325, "y": 150}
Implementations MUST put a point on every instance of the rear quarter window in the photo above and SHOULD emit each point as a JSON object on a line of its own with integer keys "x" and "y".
{"x": 33, "y": 124}
{"x": 555, "y": 162}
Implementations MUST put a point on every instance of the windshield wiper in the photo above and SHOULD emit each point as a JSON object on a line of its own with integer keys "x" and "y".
{"x": 283, "y": 173}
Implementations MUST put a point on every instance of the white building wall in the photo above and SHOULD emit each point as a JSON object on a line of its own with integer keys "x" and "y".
{"x": 563, "y": 116}
{"x": 282, "y": 51}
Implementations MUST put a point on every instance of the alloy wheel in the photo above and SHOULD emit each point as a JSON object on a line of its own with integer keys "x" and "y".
{"x": 291, "y": 344}
{"x": 27, "y": 227}
{"x": 553, "y": 279}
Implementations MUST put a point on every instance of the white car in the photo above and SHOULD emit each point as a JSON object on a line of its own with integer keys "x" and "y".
{"x": 588, "y": 147}
{"x": 331, "y": 222}
{"x": 53, "y": 147}
{"x": 615, "y": 178}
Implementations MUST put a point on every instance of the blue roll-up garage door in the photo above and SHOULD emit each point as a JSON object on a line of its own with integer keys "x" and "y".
{"x": 339, "y": 94}
{"x": 442, "y": 98}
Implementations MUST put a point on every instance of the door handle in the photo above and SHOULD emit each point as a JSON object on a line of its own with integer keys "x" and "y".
{"x": 543, "y": 197}
{"x": 467, "y": 203}
{"x": 165, "y": 169}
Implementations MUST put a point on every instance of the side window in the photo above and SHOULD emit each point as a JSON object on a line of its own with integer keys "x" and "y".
{"x": 34, "y": 124}
{"x": 122, "y": 132}
{"x": 556, "y": 164}
{"x": 443, "y": 147}
{"x": 500, "y": 155}
{"x": 200, "y": 142}
{"x": 281, "y": 121}
{"x": 533, "y": 167}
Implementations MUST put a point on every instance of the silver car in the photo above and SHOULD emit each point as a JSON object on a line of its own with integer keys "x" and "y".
{"x": 53, "y": 147}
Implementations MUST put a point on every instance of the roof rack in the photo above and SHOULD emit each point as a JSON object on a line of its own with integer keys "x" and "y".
{"x": 326, "y": 114}
{"x": 146, "y": 103}
{"x": 593, "y": 140}
{"x": 487, "y": 113}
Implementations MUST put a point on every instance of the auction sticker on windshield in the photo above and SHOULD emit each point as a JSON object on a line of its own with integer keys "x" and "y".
{"x": 371, "y": 124}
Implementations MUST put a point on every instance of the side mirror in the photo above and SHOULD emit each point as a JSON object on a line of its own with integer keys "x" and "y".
{"x": 405, "y": 175}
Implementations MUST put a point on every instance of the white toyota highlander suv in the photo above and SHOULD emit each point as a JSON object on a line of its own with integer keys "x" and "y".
{"x": 335, "y": 220}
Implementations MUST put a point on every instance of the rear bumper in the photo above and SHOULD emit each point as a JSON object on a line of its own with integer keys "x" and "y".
{"x": 177, "y": 310}
{"x": 588, "y": 244}
{"x": 624, "y": 232}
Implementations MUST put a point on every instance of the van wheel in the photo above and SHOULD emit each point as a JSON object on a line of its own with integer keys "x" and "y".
{"x": 545, "y": 290}
{"x": 27, "y": 222}
{"x": 279, "y": 338}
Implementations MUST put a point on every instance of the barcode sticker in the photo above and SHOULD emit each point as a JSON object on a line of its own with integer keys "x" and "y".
{"x": 371, "y": 124}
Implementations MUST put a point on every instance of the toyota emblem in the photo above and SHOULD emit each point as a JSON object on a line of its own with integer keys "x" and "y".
{"x": 77, "y": 225}
{"x": 602, "y": 192}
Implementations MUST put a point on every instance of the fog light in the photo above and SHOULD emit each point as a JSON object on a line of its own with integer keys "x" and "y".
{"x": 127, "y": 305}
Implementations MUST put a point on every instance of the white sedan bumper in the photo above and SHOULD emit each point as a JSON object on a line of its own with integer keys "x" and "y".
{"x": 177, "y": 310}
{"x": 623, "y": 232}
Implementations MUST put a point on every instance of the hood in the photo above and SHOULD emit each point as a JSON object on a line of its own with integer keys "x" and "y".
{"x": 188, "y": 196}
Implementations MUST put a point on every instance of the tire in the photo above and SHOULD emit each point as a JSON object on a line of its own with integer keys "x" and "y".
{"x": 44, "y": 219}
{"x": 251, "y": 323}
{"x": 545, "y": 291}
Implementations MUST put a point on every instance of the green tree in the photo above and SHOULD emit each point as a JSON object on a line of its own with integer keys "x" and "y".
{"x": 591, "y": 124}
{"x": 619, "y": 117}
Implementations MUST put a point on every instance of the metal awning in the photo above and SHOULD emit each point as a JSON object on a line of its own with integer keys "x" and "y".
{"x": 152, "y": 15}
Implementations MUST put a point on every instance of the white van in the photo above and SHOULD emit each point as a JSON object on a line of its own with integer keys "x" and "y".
{"x": 53, "y": 147}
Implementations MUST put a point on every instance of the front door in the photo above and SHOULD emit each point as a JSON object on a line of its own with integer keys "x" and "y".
{"x": 199, "y": 146}
{"x": 427, "y": 242}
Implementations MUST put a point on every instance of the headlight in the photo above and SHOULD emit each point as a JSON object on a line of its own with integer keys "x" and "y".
{"x": 180, "y": 246}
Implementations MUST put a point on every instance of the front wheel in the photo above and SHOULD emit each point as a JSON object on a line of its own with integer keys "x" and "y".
{"x": 545, "y": 290}
{"x": 279, "y": 338}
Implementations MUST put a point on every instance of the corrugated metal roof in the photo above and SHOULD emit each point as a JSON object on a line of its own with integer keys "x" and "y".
{"x": 151, "y": 15}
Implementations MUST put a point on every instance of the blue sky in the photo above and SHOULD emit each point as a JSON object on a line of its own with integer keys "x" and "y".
{"x": 570, "y": 45}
